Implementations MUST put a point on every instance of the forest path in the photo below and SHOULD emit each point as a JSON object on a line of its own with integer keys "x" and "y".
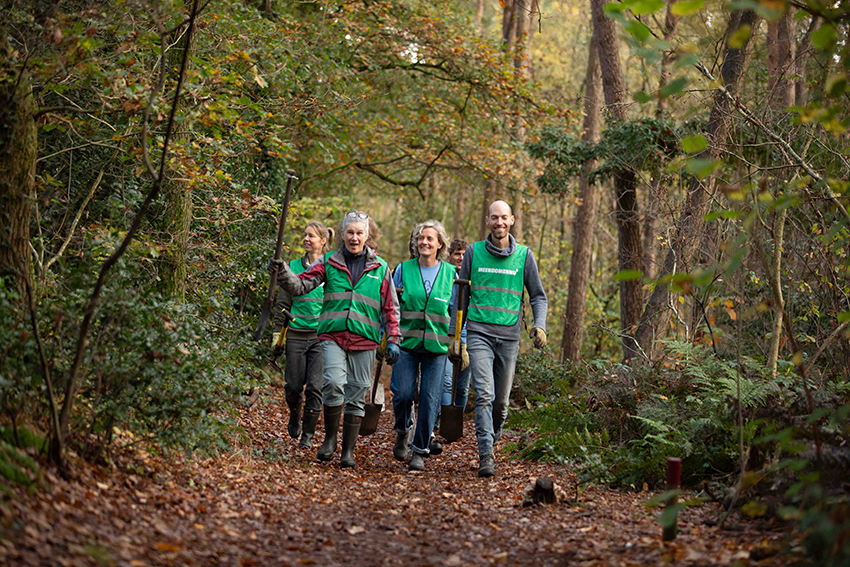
{"x": 272, "y": 503}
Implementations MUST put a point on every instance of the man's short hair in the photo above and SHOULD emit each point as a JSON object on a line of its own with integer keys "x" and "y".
{"x": 457, "y": 244}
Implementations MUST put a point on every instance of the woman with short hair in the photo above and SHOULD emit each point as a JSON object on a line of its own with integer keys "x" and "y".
{"x": 358, "y": 293}
{"x": 425, "y": 286}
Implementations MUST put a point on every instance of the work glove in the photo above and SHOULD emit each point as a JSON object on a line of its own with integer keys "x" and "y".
{"x": 462, "y": 358}
{"x": 392, "y": 354}
{"x": 379, "y": 354}
{"x": 539, "y": 336}
{"x": 276, "y": 350}
{"x": 454, "y": 356}
{"x": 276, "y": 265}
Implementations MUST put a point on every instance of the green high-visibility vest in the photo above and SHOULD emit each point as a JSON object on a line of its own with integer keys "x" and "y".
{"x": 496, "y": 283}
{"x": 425, "y": 317}
{"x": 356, "y": 309}
{"x": 305, "y": 308}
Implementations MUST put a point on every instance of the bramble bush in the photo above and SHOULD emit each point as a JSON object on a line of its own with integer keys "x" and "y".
{"x": 150, "y": 368}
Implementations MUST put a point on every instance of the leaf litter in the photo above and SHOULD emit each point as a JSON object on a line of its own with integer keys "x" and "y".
{"x": 270, "y": 502}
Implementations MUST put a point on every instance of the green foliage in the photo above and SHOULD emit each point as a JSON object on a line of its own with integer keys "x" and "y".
{"x": 814, "y": 498}
{"x": 643, "y": 144}
{"x": 18, "y": 467}
{"x": 621, "y": 425}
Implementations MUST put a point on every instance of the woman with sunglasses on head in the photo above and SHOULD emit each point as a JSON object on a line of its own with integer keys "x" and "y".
{"x": 358, "y": 294}
{"x": 425, "y": 286}
{"x": 303, "y": 371}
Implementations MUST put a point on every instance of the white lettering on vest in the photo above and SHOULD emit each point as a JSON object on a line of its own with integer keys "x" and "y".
{"x": 497, "y": 271}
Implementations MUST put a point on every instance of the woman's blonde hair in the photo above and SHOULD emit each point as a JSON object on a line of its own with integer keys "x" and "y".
{"x": 324, "y": 232}
{"x": 442, "y": 236}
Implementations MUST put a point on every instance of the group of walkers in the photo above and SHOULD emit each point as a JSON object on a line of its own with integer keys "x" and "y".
{"x": 345, "y": 300}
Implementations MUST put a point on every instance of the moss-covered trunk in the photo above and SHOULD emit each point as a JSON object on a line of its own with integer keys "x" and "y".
{"x": 18, "y": 147}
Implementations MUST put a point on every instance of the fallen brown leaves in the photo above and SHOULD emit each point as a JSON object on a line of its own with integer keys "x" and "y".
{"x": 271, "y": 503}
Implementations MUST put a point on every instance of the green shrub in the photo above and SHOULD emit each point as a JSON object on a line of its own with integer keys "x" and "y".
{"x": 621, "y": 423}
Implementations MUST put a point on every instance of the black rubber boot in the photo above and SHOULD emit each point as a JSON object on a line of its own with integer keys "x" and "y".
{"x": 350, "y": 432}
{"x": 294, "y": 403}
{"x": 308, "y": 428}
{"x": 401, "y": 449}
{"x": 294, "y": 426}
{"x": 328, "y": 448}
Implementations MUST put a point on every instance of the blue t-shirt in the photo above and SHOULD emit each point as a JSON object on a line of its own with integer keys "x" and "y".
{"x": 429, "y": 274}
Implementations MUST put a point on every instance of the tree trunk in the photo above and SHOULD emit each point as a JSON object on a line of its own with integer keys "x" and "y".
{"x": 630, "y": 254}
{"x": 563, "y": 222}
{"x": 684, "y": 242}
{"x": 176, "y": 219}
{"x": 18, "y": 148}
{"x": 657, "y": 191}
{"x": 509, "y": 28}
{"x": 489, "y": 187}
{"x": 781, "y": 60}
{"x": 479, "y": 18}
{"x": 459, "y": 211}
{"x": 585, "y": 217}
{"x": 778, "y": 303}
{"x": 804, "y": 53}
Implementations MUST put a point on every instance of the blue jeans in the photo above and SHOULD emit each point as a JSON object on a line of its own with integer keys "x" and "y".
{"x": 347, "y": 377}
{"x": 431, "y": 368}
{"x": 493, "y": 362}
{"x": 462, "y": 390}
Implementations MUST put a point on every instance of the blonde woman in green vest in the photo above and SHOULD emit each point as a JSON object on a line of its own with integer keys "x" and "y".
{"x": 303, "y": 372}
{"x": 358, "y": 293}
{"x": 499, "y": 269}
{"x": 424, "y": 285}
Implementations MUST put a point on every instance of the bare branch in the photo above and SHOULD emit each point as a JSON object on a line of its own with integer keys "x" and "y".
{"x": 79, "y": 214}
{"x": 71, "y": 393}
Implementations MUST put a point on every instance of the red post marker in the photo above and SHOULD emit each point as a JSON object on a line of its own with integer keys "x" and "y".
{"x": 674, "y": 472}
{"x": 674, "y": 480}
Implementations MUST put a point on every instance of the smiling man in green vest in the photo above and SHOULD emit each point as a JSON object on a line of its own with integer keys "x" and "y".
{"x": 498, "y": 269}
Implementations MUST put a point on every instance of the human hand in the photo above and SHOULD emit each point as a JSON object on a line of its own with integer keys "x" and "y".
{"x": 392, "y": 354}
{"x": 454, "y": 356}
{"x": 539, "y": 337}
{"x": 464, "y": 357}
{"x": 275, "y": 265}
{"x": 276, "y": 350}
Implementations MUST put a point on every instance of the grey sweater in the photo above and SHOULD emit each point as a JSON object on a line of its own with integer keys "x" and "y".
{"x": 533, "y": 285}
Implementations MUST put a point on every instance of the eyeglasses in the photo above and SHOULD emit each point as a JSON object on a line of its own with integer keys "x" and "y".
{"x": 356, "y": 215}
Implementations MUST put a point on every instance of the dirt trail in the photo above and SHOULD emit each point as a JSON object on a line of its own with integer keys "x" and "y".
{"x": 272, "y": 503}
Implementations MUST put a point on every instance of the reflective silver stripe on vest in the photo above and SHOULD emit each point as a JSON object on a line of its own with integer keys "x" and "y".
{"x": 414, "y": 315}
{"x": 350, "y": 315}
{"x": 501, "y": 289}
{"x": 429, "y": 336}
{"x": 445, "y": 339}
{"x": 488, "y": 308}
{"x": 308, "y": 299}
{"x": 373, "y": 303}
{"x": 348, "y": 295}
{"x": 307, "y": 316}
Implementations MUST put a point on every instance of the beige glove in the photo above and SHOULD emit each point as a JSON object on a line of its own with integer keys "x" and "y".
{"x": 464, "y": 357}
{"x": 539, "y": 336}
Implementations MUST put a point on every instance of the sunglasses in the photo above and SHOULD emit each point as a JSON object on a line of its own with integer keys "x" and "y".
{"x": 356, "y": 215}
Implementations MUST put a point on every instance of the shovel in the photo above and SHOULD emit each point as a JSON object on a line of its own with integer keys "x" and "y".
{"x": 451, "y": 416}
{"x": 369, "y": 423}
{"x": 277, "y": 348}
